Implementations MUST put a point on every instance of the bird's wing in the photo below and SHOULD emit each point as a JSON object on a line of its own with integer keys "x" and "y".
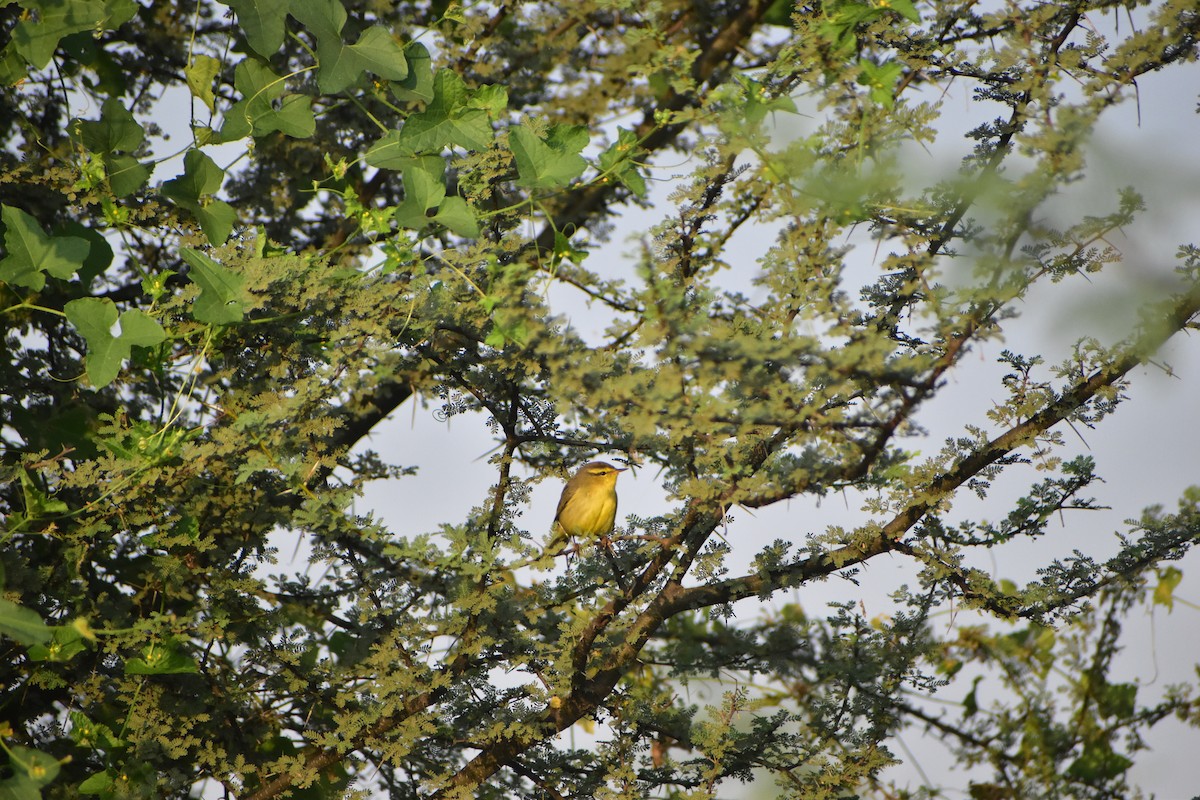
{"x": 562, "y": 503}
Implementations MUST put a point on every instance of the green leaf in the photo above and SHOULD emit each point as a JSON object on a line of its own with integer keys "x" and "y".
{"x": 200, "y": 74}
{"x": 425, "y": 191}
{"x": 37, "y": 38}
{"x": 100, "y": 252}
{"x": 389, "y": 153}
{"x": 115, "y": 136}
{"x": 125, "y": 174}
{"x": 166, "y": 658}
{"x": 340, "y": 65}
{"x": 552, "y": 162}
{"x": 22, "y": 624}
{"x": 1098, "y": 762}
{"x": 31, "y": 253}
{"x": 1117, "y": 700}
{"x": 780, "y": 13}
{"x": 37, "y": 502}
{"x": 202, "y": 178}
{"x": 95, "y": 319}
{"x": 37, "y": 767}
{"x": 220, "y": 300}
{"x": 294, "y": 118}
{"x": 115, "y": 132}
{"x": 66, "y": 643}
{"x": 1164, "y": 592}
{"x": 92, "y": 734}
{"x": 448, "y": 120}
{"x": 492, "y": 98}
{"x": 19, "y": 787}
{"x": 100, "y": 783}
{"x": 256, "y": 114}
{"x": 263, "y": 22}
{"x": 882, "y": 79}
{"x": 458, "y": 217}
{"x": 417, "y": 85}
{"x": 906, "y": 9}
{"x": 618, "y": 162}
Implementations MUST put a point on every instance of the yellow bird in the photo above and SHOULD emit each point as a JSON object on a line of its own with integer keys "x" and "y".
{"x": 588, "y": 506}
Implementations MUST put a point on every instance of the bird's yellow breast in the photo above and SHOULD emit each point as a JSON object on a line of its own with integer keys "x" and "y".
{"x": 591, "y": 511}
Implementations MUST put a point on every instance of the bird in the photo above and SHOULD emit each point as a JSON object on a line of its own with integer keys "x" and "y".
{"x": 588, "y": 506}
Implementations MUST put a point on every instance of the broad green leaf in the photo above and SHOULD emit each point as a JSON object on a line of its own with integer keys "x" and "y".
{"x": 1098, "y": 762}
{"x": 95, "y": 318}
{"x": 115, "y": 132}
{"x": 201, "y": 176}
{"x": 31, "y": 253}
{"x": 115, "y": 136}
{"x": 66, "y": 643}
{"x": 220, "y": 300}
{"x": 618, "y": 162}
{"x": 263, "y": 22}
{"x": 100, "y": 252}
{"x": 216, "y": 219}
{"x": 549, "y": 163}
{"x": 294, "y": 118}
{"x": 161, "y": 659}
{"x": 256, "y": 114}
{"x": 200, "y": 74}
{"x": 340, "y": 65}
{"x": 418, "y": 83}
{"x": 192, "y": 190}
{"x": 38, "y": 767}
{"x": 448, "y": 120}
{"x": 906, "y": 9}
{"x": 99, "y": 783}
{"x": 323, "y": 18}
{"x": 432, "y": 130}
{"x": 492, "y": 99}
{"x": 19, "y": 787}
{"x": 1117, "y": 700}
{"x": 23, "y": 624}
{"x": 125, "y": 174}
{"x": 376, "y": 51}
{"x": 93, "y": 734}
{"x": 13, "y": 68}
{"x": 780, "y": 13}
{"x": 37, "y": 502}
{"x": 36, "y": 39}
{"x": 425, "y": 192}
{"x": 457, "y": 216}
{"x": 389, "y": 153}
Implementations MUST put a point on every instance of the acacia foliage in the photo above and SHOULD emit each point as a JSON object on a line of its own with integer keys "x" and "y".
{"x": 189, "y": 362}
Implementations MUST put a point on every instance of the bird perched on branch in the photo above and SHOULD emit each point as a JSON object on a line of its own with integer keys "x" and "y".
{"x": 588, "y": 506}
{"x": 588, "y": 509}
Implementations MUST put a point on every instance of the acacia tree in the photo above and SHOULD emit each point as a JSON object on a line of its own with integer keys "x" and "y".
{"x": 191, "y": 361}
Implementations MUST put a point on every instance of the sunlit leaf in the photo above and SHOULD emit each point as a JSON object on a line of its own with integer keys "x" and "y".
{"x": 220, "y": 300}
{"x": 32, "y": 254}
